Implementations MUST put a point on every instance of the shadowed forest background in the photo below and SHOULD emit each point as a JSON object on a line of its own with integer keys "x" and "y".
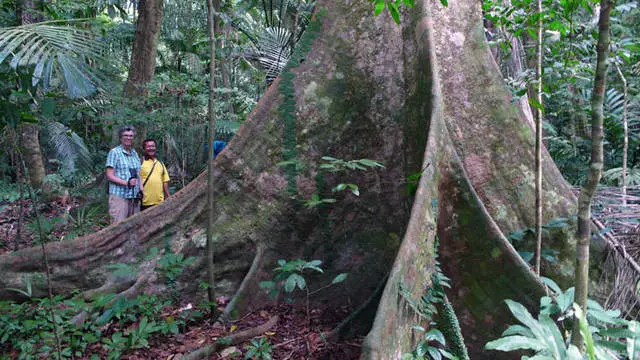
{"x": 381, "y": 194}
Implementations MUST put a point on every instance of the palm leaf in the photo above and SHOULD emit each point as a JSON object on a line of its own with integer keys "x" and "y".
{"x": 273, "y": 50}
{"x": 69, "y": 146}
{"x": 47, "y": 49}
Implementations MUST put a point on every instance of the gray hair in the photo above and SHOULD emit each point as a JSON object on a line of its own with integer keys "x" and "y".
{"x": 126, "y": 128}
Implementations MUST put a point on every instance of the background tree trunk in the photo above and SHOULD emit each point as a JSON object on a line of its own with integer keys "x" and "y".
{"x": 30, "y": 143}
{"x": 425, "y": 97}
{"x": 595, "y": 169}
{"x": 143, "y": 54}
{"x": 28, "y": 13}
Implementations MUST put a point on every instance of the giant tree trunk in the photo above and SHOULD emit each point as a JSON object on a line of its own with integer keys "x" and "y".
{"x": 425, "y": 96}
{"x": 143, "y": 54}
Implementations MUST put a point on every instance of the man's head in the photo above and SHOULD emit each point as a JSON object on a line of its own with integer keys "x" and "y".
{"x": 149, "y": 147}
{"x": 126, "y": 135}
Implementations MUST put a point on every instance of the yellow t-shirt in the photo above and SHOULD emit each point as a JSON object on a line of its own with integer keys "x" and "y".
{"x": 153, "y": 193}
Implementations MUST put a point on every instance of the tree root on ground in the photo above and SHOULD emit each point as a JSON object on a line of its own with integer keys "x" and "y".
{"x": 255, "y": 265}
{"x": 336, "y": 331}
{"x": 234, "y": 339}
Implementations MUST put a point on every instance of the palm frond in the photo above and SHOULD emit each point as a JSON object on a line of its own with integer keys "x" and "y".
{"x": 47, "y": 49}
{"x": 69, "y": 147}
{"x": 615, "y": 175}
{"x": 273, "y": 50}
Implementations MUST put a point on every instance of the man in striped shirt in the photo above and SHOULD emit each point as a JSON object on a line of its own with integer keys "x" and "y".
{"x": 123, "y": 174}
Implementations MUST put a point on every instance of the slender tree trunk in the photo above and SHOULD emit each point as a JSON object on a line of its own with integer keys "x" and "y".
{"x": 210, "y": 170}
{"x": 29, "y": 138}
{"x": 538, "y": 225}
{"x": 625, "y": 127}
{"x": 143, "y": 54}
{"x": 224, "y": 70}
{"x": 30, "y": 133}
{"x": 595, "y": 169}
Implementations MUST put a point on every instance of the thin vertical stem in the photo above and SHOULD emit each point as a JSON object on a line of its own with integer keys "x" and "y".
{"x": 625, "y": 126}
{"x": 538, "y": 161}
{"x": 45, "y": 260}
{"x": 211, "y": 176}
{"x": 595, "y": 169}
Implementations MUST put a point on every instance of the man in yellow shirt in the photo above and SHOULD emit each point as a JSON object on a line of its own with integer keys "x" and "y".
{"x": 155, "y": 176}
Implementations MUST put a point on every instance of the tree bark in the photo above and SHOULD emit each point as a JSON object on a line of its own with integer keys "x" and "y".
{"x": 143, "y": 54}
{"x": 30, "y": 142}
{"x": 595, "y": 169}
{"x": 424, "y": 97}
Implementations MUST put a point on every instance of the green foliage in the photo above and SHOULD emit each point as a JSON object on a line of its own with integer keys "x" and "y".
{"x": 117, "y": 323}
{"x": 85, "y": 219}
{"x": 289, "y": 275}
{"x": 287, "y": 110}
{"x": 50, "y": 50}
{"x": 9, "y": 191}
{"x": 425, "y": 349}
{"x": 69, "y": 148}
{"x": 433, "y": 345}
{"x": 394, "y": 7}
{"x": 170, "y": 266}
{"x": 523, "y": 237}
{"x": 340, "y": 165}
{"x": 316, "y": 201}
{"x": 259, "y": 349}
{"x": 604, "y": 332}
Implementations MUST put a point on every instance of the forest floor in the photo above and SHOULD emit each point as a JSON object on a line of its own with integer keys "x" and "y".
{"x": 293, "y": 337}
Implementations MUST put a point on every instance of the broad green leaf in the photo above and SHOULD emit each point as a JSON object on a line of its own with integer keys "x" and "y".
{"x": 338, "y": 279}
{"x": 523, "y": 315}
{"x": 555, "y": 341}
{"x": 340, "y": 187}
{"x": 633, "y": 343}
{"x": 379, "y": 7}
{"x": 435, "y": 335}
{"x": 418, "y": 328}
{"x": 518, "y": 330}
{"x": 395, "y": 14}
{"x": 516, "y": 342}
{"x": 267, "y": 285}
{"x": 584, "y": 330}
{"x": 290, "y": 283}
{"x": 434, "y": 353}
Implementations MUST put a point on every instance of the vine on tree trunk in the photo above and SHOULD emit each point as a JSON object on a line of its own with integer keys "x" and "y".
{"x": 287, "y": 109}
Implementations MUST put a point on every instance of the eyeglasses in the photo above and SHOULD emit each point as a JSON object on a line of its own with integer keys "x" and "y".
{"x": 127, "y": 136}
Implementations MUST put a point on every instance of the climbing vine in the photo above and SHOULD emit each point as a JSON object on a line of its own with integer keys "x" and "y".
{"x": 287, "y": 111}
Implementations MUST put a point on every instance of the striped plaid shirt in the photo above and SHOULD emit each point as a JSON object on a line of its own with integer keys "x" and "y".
{"x": 121, "y": 162}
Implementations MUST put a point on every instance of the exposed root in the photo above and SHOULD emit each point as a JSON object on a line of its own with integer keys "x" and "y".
{"x": 110, "y": 287}
{"x": 244, "y": 285}
{"x": 234, "y": 339}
